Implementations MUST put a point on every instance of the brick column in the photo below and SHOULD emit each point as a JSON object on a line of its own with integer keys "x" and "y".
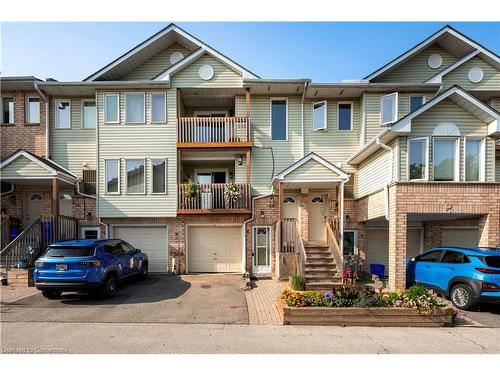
{"x": 397, "y": 242}
{"x": 304, "y": 217}
{"x": 489, "y": 229}
{"x": 432, "y": 234}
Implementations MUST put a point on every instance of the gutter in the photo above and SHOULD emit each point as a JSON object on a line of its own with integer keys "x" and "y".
{"x": 47, "y": 127}
{"x": 386, "y": 187}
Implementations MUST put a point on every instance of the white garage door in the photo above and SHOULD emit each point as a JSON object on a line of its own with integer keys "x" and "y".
{"x": 214, "y": 249}
{"x": 152, "y": 240}
{"x": 461, "y": 237}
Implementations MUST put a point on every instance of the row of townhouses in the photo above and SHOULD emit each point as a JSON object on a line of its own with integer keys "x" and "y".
{"x": 207, "y": 167}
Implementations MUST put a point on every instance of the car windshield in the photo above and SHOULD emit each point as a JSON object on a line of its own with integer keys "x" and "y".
{"x": 69, "y": 252}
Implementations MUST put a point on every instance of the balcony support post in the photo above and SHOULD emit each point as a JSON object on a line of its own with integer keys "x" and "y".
{"x": 247, "y": 162}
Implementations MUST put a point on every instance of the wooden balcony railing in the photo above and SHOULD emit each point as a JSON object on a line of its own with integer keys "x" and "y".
{"x": 213, "y": 131}
{"x": 213, "y": 198}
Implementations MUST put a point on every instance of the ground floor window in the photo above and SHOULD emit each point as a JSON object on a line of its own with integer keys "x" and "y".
{"x": 350, "y": 242}
{"x": 90, "y": 233}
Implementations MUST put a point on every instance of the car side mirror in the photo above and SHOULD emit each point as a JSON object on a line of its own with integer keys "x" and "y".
{"x": 413, "y": 260}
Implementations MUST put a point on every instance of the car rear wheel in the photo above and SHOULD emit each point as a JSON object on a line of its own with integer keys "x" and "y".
{"x": 143, "y": 275}
{"x": 462, "y": 297}
{"x": 110, "y": 287}
{"x": 51, "y": 294}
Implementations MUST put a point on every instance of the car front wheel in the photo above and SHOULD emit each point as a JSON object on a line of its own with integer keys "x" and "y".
{"x": 110, "y": 287}
{"x": 143, "y": 274}
{"x": 51, "y": 294}
{"x": 462, "y": 297}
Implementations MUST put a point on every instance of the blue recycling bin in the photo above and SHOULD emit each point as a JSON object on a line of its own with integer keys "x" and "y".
{"x": 47, "y": 226}
{"x": 14, "y": 232}
{"x": 377, "y": 269}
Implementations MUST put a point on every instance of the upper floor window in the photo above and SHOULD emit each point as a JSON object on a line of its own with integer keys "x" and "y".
{"x": 63, "y": 114}
{"x": 111, "y": 108}
{"x": 473, "y": 160}
{"x": 89, "y": 119}
{"x": 417, "y": 158}
{"x": 159, "y": 176}
{"x": 7, "y": 110}
{"x": 345, "y": 116}
{"x": 416, "y": 101}
{"x": 33, "y": 110}
{"x": 135, "y": 176}
{"x": 389, "y": 108}
{"x": 279, "y": 119}
{"x": 445, "y": 159}
{"x": 319, "y": 115}
{"x": 134, "y": 108}
{"x": 158, "y": 107}
{"x": 112, "y": 176}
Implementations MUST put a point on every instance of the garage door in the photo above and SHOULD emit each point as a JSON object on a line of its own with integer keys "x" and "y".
{"x": 152, "y": 240}
{"x": 461, "y": 237}
{"x": 214, "y": 249}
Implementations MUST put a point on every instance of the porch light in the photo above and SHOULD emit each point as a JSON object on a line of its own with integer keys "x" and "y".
{"x": 262, "y": 214}
{"x": 89, "y": 215}
{"x": 240, "y": 160}
{"x": 347, "y": 219}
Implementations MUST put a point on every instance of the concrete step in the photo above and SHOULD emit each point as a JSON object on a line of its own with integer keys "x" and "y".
{"x": 320, "y": 278}
{"x": 322, "y": 285}
{"x": 321, "y": 268}
{"x": 316, "y": 259}
{"x": 320, "y": 274}
{"x": 318, "y": 252}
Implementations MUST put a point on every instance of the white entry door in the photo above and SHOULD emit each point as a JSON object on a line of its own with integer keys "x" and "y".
{"x": 261, "y": 252}
{"x": 317, "y": 215}
{"x": 33, "y": 207}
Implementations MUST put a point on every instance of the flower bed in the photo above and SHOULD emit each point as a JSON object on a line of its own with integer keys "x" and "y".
{"x": 364, "y": 307}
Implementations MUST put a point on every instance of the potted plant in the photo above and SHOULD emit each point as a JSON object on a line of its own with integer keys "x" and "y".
{"x": 191, "y": 189}
{"x": 232, "y": 193}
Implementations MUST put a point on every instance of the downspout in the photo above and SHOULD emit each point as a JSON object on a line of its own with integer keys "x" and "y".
{"x": 386, "y": 187}
{"x": 106, "y": 226}
{"x": 46, "y": 99}
{"x": 306, "y": 84}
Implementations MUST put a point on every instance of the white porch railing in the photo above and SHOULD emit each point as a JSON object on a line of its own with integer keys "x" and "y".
{"x": 213, "y": 129}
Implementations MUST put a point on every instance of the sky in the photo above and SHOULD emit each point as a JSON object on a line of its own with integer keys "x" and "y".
{"x": 323, "y": 52}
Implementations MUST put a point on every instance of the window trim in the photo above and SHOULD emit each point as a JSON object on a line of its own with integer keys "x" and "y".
{"x": 395, "y": 118}
{"x": 83, "y": 101}
{"x": 325, "y": 121}
{"x": 426, "y": 177}
{"x": 456, "y": 177}
{"x": 424, "y": 100}
{"x": 126, "y": 176}
{"x": 117, "y": 105}
{"x": 130, "y": 93}
{"x": 83, "y": 229}
{"x": 56, "y": 110}
{"x": 152, "y": 176}
{"x": 13, "y": 110}
{"x": 352, "y": 116}
{"x": 482, "y": 158}
{"x": 27, "y": 109}
{"x": 106, "y": 177}
{"x": 271, "y": 118}
{"x": 151, "y": 94}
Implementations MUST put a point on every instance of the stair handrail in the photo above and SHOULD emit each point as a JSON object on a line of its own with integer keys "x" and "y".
{"x": 334, "y": 248}
{"x": 300, "y": 251}
{"x": 32, "y": 235}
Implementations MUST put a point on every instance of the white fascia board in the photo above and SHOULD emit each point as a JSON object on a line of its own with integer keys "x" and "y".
{"x": 17, "y": 155}
{"x": 438, "y": 78}
{"x": 494, "y": 128}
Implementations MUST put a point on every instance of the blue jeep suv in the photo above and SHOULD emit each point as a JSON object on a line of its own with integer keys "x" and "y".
{"x": 466, "y": 275}
{"x": 88, "y": 265}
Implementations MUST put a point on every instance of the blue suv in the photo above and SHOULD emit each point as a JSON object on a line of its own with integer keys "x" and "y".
{"x": 466, "y": 275}
{"x": 96, "y": 266}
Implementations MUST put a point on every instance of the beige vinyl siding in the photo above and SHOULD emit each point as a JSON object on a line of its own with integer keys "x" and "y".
{"x": 459, "y": 76}
{"x": 240, "y": 171}
{"x": 374, "y": 173}
{"x": 72, "y": 147}
{"x": 495, "y": 103}
{"x": 24, "y": 167}
{"x": 469, "y": 126}
{"x": 155, "y": 65}
{"x": 403, "y": 158}
{"x": 416, "y": 69}
{"x": 311, "y": 170}
{"x": 362, "y": 121}
{"x": 138, "y": 141}
{"x": 223, "y": 75}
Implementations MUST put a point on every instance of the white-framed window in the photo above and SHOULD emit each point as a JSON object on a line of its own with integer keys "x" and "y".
{"x": 90, "y": 233}
{"x": 389, "y": 108}
{"x": 63, "y": 114}
{"x": 158, "y": 107}
{"x": 279, "y": 119}
{"x": 418, "y": 161}
{"x": 445, "y": 158}
{"x": 474, "y": 150}
{"x": 319, "y": 115}
{"x": 7, "y": 110}
{"x": 112, "y": 176}
{"x": 345, "y": 115}
{"x": 32, "y": 110}
{"x": 158, "y": 176}
{"x": 135, "y": 176}
{"x": 415, "y": 101}
{"x": 89, "y": 114}
{"x": 112, "y": 108}
{"x": 135, "y": 104}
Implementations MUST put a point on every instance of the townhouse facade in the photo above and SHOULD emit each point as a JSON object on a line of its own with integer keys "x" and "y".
{"x": 207, "y": 167}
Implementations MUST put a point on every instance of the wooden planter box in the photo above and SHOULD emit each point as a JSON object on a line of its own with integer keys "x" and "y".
{"x": 20, "y": 277}
{"x": 356, "y": 316}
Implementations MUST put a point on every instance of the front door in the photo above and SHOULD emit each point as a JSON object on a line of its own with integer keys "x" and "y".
{"x": 261, "y": 252}
{"x": 33, "y": 207}
{"x": 317, "y": 215}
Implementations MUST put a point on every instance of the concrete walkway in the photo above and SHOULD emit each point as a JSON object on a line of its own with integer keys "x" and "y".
{"x": 261, "y": 302}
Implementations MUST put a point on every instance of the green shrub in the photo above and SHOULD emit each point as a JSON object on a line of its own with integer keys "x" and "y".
{"x": 298, "y": 282}
{"x": 369, "y": 298}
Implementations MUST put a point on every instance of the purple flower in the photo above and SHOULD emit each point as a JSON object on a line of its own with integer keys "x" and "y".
{"x": 328, "y": 295}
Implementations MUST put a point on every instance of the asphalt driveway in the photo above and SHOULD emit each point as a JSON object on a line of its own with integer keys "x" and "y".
{"x": 159, "y": 299}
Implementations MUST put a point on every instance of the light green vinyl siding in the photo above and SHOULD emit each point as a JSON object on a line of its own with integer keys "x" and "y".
{"x": 403, "y": 157}
{"x": 155, "y": 65}
{"x": 24, "y": 167}
{"x": 72, "y": 147}
{"x": 416, "y": 69}
{"x": 240, "y": 172}
{"x": 311, "y": 170}
{"x": 223, "y": 75}
{"x": 362, "y": 121}
{"x": 138, "y": 141}
{"x": 495, "y": 103}
{"x": 459, "y": 76}
{"x": 374, "y": 173}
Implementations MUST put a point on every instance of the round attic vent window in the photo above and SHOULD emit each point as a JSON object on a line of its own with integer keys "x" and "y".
{"x": 475, "y": 75}
{"x": 435, "y": 61}
{"x": 206, "y": 72}
{"x": 176, "y": 57}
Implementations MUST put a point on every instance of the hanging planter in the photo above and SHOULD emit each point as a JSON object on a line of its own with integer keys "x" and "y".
{"x": 232, "y": 193}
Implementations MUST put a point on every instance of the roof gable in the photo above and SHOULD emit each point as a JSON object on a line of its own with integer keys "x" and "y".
{"x": 312, "y": 168}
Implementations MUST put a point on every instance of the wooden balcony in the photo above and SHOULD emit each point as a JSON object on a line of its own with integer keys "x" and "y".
{"x": 213, "y": 132}
{"x": 213, "y": 199}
